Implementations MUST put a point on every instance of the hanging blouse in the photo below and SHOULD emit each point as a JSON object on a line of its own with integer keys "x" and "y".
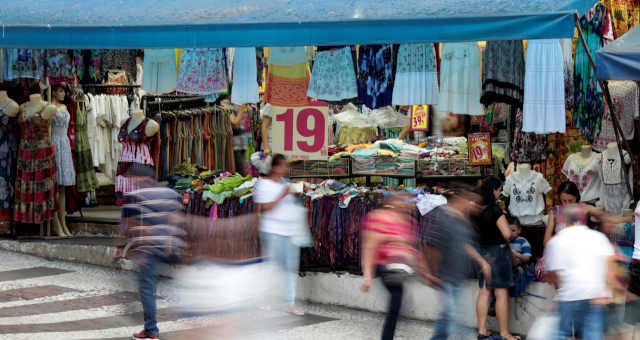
{"x": 202, "y": 71}
{"x": 120, "y": 60}
{"x": 375, "y": 75}
{"x": 586, "y": 174}
{"x": 588, "y": 100}
{"x": 24, "y": 63}
{"x": 626, "y": 102}
{"x": 416, "y": 79}
{"x": 503, "y": 72}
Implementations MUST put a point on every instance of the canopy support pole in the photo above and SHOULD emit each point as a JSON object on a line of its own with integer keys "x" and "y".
{"x": 620, "y": 140}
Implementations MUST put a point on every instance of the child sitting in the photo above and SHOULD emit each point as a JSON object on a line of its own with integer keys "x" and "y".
{"x": 523, "y": 271}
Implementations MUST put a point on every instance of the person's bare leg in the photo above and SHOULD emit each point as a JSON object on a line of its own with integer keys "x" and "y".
{"x": 482, "y": 310}
{"x": 62, "y": 212}
{"x": 502, "y": 312}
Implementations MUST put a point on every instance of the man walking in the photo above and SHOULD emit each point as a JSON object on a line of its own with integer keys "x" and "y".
{"x": 149, "y": 221}
{"x": 579, "y": 261}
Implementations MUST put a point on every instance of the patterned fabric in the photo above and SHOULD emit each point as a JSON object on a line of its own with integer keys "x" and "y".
{"x": 36, "y": 171}
{"x": 202, "y": 71}
{"x": 527, "y": 146}
{"x": 588, "y": 105}
{"x": 416, "y": 79}
{"x": 586, "y": 174}
{"x": 625, "y": 15}
{"x": 559, "y": 147}
{"x": 567, "y": 54}
{"x": 287, "y": 85}
{"x": 88, "y": 65}
{"x": 120, "y": 60}
{"x": 65, "y": 174}
{"x": 59, "y": 66}
{"x": 626, "y": 102}
{"x": 503, "y": 72}
{"x": 86, "y": 180}
{"x": 7, "y": 162}
{"x": 23, "y": 63}
{"x": 375, "y": 75}
{"x": 333, "y": 77}
{"x": 136, "y": 152}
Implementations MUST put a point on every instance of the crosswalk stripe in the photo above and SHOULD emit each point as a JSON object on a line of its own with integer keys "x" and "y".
{"x": 30, "y": 273}
{"x": 68, "y": 305}
{"x": 31, "y": 293}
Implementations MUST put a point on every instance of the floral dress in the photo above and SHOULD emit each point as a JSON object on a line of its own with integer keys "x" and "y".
{"x": 375, "y": 75}
{"x": 7, "y": 163}
{"x": 588, "y": 101}
{"x": 35, "y": 187}
{"x": 65, "y": 175}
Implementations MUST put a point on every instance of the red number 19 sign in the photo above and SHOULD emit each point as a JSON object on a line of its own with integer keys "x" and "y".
{"x": 301, "y": 132}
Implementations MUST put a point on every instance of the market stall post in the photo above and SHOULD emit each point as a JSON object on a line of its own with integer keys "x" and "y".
{"x": 605, "y": 89}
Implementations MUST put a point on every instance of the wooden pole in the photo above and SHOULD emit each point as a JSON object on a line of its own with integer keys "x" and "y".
{"x": 616, "y": 124}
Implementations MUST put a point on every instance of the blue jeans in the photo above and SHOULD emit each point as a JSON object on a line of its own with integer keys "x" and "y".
{"x": 586, "y": 319}
{"x": 447, "y": 324}
{"x": 286, "y": 255}
{"x": 147, "y": 280}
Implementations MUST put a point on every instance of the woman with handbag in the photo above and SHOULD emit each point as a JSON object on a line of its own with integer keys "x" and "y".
{"x": 388, "y": 251}
{"x": 279, "y": 226}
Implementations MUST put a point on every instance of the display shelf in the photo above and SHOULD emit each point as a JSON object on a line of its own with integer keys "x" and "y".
{"x": 319, "y": 168}
{"x": 450, "y": 168}
{"x": 383, "y": 166}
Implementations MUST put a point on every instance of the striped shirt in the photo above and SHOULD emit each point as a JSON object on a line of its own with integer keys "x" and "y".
{"x": 149, "y": 222}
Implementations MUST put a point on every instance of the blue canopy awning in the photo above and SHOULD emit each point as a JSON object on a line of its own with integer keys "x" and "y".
{"x": 226, "y": 23}
{"x": 620, "y": 60}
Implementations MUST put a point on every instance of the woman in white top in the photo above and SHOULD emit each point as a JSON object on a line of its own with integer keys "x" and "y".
{"x": 277, "y": 225}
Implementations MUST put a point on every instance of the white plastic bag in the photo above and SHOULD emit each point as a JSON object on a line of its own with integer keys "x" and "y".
{"x": 302, "y": 237}
{"x": 544, "y": 328}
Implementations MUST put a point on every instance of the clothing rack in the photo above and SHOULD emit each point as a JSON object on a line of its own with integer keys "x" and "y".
{"x": 101, "y": 88}
{"x": 171, "y": 103}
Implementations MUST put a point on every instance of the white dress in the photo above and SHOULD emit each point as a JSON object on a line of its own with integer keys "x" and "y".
{"x": 65, "y": 174}
{"x": 460, "y": 81}
{"x": 245, "y": 76}
{"x": 416, "y": 81}
{"x": 586, "y": 174}
{"x": 544, "y": 88}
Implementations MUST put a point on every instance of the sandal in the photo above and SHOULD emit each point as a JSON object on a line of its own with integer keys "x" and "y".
{"x": 483, "y": 337}
{"x": 515, "y": 337}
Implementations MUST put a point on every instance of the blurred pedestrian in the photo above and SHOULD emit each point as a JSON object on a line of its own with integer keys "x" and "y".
{"x": 449, "y": 247}
{"x": 389, "y": 252}
{"x": 581, "y": 281}
{"x": 150, "y": 220}
{"x": 278, "y": 225}
{"x": 495, "y": 234}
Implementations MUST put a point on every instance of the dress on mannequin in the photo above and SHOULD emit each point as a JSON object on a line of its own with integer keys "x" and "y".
{"x": 65, "y": 173}
{"x": 584, "y": 169}
{"x": 615, "y": 197}
{"x": 8, "y": 150}
{"x": 35, "y": 176}
{"x": 136, "y": 152}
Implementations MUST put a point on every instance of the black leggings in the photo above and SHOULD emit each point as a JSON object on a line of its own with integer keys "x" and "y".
{"x": 393, "y": 309}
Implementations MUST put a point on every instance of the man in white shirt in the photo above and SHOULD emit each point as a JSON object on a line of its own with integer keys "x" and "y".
{"x": 579, "y": 262}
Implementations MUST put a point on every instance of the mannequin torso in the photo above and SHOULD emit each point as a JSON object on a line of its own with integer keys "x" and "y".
{"x": 524, "y": 169}
{"x": 7, "y": 105}
{"x": 137, "y": 117}
{"x": 36, "y": 105}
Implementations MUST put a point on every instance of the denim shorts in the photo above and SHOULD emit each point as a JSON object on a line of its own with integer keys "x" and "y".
{"x": 500, "y": 261}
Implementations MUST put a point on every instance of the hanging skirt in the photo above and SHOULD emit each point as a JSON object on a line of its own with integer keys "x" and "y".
{"x": 159, "y": 71}
{"x": 287, "y": 85}
{"x": 503, "y": 73}
{"x": 245, "y": 76}
{"x": 202, "y": 71}
{"x": 334, "y": 76}
{"x": 460, "y": 82}
{"x": 544, "y": 102}
{"x": 416, "y": 80}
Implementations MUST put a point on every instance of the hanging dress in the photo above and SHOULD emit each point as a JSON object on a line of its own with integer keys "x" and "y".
{"x": 375, "y": 75}
{"x": 65, "y": 174}
{"x": 160, "y": 74}
{"x": 544, "y": 88}
{"x": 7, "y": 163}
{"x": 35, "y": 188}
{"x": 202, "y": 71}
{"x": 416, "y": 80}
{"x": 503, "y": 73}
{"x": 23, "y": 63}
{"x": 86, "y": 179}
{"x": 588, "y": 100}
{"x": 334, "y": 76}
{"x": 59, "y": 66}
{"x": 136, "y": 152}
{"x": 245, "y": 76}
{"x": 460, "y": 82}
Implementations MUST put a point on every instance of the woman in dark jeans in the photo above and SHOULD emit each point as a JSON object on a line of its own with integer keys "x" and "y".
{"x": 494, "y": 234}
{"x": 388, "y": 250}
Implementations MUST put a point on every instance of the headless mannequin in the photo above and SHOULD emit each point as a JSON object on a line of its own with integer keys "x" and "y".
{"x": 10, "y": 107}
{"x": 266, "y": 125}
{"x": 137, "y": 116}
{"x": 61, "y": 215}
{"x": 524, "y": 169}
{"x": 585, "y": 154}
{"x": 612, "y": 149}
